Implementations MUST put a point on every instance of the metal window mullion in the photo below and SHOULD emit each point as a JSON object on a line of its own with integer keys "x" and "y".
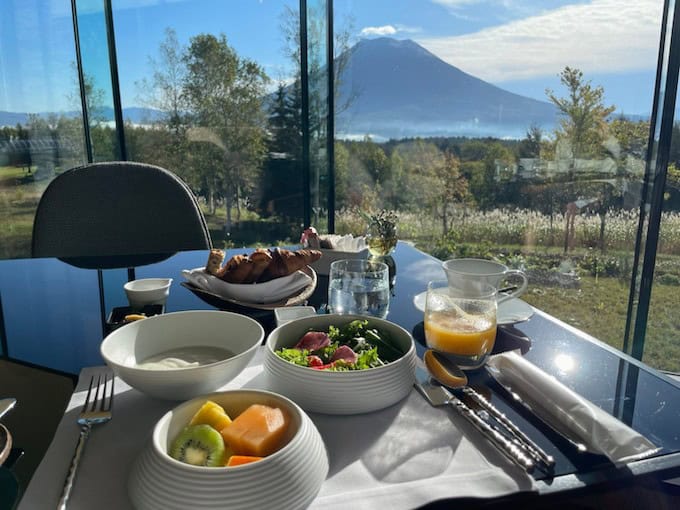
{"x": 657, "y": 180}
{"x": 115, "y": 85}
{"x": 330, "y": 116}
{"x": 81, "y": 83}
{"x": 304, "y": 92}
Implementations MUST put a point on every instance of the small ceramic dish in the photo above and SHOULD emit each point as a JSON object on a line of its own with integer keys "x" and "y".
{"x": 147, "y": 291}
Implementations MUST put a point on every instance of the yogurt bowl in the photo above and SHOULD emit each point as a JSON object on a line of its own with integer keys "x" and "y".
{"x": 176, "y": 356}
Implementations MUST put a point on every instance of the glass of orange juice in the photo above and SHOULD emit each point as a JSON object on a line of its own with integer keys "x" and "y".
{"x": 461, "y": 323}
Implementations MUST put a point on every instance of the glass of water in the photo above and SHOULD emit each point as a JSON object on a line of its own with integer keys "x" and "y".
{"x": 359, "y": 287}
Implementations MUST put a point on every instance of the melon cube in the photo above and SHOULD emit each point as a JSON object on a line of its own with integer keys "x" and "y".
{"x": 258, "y": 431}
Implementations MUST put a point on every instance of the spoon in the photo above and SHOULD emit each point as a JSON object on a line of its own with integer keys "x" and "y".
{"x": 444, "y": 370}
{"x": 449, "y": 374}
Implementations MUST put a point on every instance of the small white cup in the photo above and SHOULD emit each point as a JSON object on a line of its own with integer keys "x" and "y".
{"x": 469, "y": 273}
{"x": 147, "y": 291}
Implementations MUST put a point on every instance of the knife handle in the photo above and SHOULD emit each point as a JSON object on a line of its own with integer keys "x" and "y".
{"x": 509, "y": 449}
{"x": 532, "y": 447}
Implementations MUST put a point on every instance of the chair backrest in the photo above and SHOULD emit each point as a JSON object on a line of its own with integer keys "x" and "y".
{"x": 117, "y": 214}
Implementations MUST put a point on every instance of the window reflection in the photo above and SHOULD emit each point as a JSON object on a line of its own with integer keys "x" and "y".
{"x": 496, "y": 134}
{"x": 40, "y": 117}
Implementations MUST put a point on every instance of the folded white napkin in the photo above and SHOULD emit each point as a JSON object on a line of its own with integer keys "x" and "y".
{"x": 569, "y": 413}
{"x": 344, "y": 247}
{"x": 347, "y": 242}
{"x": 266, "y": 292}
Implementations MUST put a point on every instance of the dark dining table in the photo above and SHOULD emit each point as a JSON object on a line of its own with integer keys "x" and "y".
{"x": 52, "y": 318}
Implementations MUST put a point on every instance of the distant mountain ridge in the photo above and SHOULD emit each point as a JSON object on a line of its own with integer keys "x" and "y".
{"x": 134, "y": 114}
{"x": 401, "y": 89}
{"x": 394, "y": 88}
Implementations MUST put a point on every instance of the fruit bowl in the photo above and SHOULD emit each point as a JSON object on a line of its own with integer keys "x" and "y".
{"x": 207, "y": 348}
{"x": 289, "y": 478}
{"x": 351, "y": 392}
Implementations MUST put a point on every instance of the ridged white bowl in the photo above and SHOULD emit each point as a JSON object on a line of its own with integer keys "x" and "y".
{"x": 289, "y": 478}
{"x": 127, "y": 346}
{"x": 353, "y": 392}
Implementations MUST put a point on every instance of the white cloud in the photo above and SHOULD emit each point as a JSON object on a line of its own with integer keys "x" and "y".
{"x": 601, "y": 36}
{"x": 389, "y": 30}
{"x": 383, "y": 30}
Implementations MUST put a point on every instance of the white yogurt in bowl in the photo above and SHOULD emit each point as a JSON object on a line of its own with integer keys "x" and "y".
{"x": 185, "y": 357}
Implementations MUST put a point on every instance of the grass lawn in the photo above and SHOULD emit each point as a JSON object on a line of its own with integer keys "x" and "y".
{"x": 18, "y": 202}
{"x": 599, "y": 308}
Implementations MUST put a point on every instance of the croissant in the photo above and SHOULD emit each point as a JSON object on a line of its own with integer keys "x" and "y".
{"x": 261, "y": 260}
{"x": 261, "y": 265}
{"x": 236, "y": 270}
{"x": 285, "y": 262}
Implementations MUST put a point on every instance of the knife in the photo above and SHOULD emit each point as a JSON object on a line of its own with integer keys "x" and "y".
{"x": 6, "y": 405}
{"x": 438, "y": 395}
{"x": 536, "y": 451}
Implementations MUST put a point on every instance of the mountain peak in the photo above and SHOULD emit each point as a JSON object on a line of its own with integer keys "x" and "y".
{"x": 396, "y": 88}
{"x": 391, "y": 44}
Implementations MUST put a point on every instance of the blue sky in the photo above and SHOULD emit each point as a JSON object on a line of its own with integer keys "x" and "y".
{"x": 520, "y": 45}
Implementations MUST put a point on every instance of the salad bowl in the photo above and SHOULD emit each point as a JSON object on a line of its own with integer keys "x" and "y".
{"x": 340, "y": 392}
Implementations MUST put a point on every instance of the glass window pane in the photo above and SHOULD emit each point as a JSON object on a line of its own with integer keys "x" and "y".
{"x": 41, "y": 130}
{"x": 517, "y": 133}
{"x": 210, "y": 91}
{"x": 97, "y": 84}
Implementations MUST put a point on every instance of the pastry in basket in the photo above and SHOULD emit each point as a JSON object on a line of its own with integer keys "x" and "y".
{"x": 261, "y": 265}
{"x": 215, "y": 260}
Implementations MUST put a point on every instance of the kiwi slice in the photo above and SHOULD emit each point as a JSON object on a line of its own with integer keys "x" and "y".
{"x": 200, "y": 445}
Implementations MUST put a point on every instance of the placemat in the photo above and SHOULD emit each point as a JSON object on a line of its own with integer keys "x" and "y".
{"x": 401, "y": 457}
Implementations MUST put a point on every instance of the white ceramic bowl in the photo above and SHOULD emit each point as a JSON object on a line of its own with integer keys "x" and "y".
{"x": 147, "y": 291}
{"x": 353, "y": 392}
{"x": 190, "y": 331}
{"x": 289, "y": 478}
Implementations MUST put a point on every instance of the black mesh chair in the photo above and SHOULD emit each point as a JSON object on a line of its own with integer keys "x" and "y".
{"x": 116, "y": 215}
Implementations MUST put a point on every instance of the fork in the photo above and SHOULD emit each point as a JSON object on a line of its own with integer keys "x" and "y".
{"x": 97, "y": 409}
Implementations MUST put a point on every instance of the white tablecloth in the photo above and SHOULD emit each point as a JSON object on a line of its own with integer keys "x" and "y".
{"x": 398, "y": 458}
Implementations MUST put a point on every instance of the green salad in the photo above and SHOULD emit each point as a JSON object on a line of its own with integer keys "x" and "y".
{"x": 353, "y": 346}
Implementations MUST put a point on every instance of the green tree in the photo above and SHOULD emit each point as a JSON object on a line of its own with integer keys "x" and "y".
{"x": 584, "y": 123}
{"x": 452, "y": 186}
{"x": 530, "y": 146}
{"x": 631, "y": 137}
{"x": 164, "y": 93}
{"x": 432, "y": 178}
{"x": 224, "y": 94}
